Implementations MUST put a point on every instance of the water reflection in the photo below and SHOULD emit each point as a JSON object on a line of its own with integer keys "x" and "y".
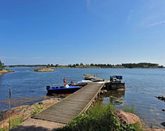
{"x": 114, "y": 97}
{"x": 21, "y": 101}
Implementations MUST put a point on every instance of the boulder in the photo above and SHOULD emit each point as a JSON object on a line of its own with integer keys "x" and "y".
{"x": 155, "y": 129}
{"x": 162, "y": 98}
{"x": 128, "y": 118}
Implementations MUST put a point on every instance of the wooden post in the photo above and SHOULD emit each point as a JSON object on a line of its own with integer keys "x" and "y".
{"x": 9, "y": 106}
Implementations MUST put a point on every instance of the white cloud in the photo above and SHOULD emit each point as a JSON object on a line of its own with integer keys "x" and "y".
{"x": 157, "y": 23}
{"x": 130, "y": 16}
{"x": 88, "y": 3}
{"x": 147, "y": 14}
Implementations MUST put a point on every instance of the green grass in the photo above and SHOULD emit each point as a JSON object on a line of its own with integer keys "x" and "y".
{"x": 2, "y": 129}
{"x": 37, "y": 109}
{"x": 99, "y": 118}
{"x": 14, "y": 122}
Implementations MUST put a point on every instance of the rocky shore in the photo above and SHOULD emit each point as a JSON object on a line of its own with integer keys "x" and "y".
{"x": 20, "y": 114}
{"x": 21, "y": 117}
{"x": 24, "y": 114}
{"x": 4, "y": 71}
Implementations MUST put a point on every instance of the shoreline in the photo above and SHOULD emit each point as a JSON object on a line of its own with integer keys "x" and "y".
{"x": 20, "y": 114}
{"x": 36, "y": 110}
{"x": 2, "y": 72}
{"x": 24, "y": 114}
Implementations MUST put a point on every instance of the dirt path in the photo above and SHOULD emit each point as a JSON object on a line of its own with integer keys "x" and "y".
{"x": 35, "y": 124}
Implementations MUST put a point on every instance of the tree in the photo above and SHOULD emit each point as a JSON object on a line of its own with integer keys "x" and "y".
{"x": 81, "y": 64}
{"x": 1, "y": 65}
{"x": 91, "y": 64}
{"x": 77, "y": 65}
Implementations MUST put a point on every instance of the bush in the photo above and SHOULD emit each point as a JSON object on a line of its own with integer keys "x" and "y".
{"x": 98, "y": 118}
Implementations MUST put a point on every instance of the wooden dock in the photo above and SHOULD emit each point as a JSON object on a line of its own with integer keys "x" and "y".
{"x": 72, "y": 106}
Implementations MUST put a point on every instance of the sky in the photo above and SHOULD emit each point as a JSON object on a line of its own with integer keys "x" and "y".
{"x": 87, "y": 31}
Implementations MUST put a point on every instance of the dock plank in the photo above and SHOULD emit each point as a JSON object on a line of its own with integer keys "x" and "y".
{"x": 71, "y": 106}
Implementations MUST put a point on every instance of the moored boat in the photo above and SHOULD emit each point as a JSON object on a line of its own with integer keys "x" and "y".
{"x": 115, "y": 83}
{"x": 89, "y": 76}
{"x": 62, "y": 89}
{"x": 92, "y": 78}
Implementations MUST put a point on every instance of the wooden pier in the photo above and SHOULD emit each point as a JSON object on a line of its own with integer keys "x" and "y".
{"x": 73, "y": 105}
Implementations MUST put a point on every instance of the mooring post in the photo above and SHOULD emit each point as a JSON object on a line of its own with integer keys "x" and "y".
{"x": 9, "y": 106}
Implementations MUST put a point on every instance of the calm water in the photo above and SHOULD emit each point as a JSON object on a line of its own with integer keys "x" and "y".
{"x": 142, "y": 85}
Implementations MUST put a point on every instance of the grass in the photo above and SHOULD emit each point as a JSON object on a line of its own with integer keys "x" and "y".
{"x": 37, "y": 109}
{"x": 99, "y": 118}
{"x": 2, "y": 129}
{"x": 14, "y": 122}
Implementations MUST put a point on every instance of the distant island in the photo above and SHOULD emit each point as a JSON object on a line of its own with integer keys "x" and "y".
{"x": 81, "y": 65}
{"x": 44, "y": 69}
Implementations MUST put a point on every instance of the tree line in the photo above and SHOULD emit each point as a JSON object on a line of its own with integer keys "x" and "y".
{"x": 124, "y": 65}
{"x": 92, "y": 65}
{"x": 142, "y": 65}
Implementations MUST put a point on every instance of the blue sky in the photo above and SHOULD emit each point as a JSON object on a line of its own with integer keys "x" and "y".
{"x": 88, "y": 31}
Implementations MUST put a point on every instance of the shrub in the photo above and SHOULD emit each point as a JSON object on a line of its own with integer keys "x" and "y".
{"x": 99, "y": 118}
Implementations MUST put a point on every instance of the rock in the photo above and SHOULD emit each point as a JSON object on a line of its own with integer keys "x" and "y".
{"x": 103, "y": 92}
{"x": 4, "y": 71}
{"x": 155, "y": 130}
{"x": 128, "y": 118}
{"x": 26, "y": 111}
{"x": 162, "y": 98}
{"x": 163, "y": 124}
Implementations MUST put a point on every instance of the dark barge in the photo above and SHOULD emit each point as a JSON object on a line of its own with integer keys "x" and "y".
{"x": 115, "y": 83}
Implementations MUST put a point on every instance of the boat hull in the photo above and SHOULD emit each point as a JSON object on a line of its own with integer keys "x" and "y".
{"x": 62, "y": 90}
